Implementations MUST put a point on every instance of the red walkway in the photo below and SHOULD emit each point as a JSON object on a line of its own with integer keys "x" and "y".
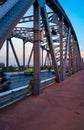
{"x": 59, "y": 107}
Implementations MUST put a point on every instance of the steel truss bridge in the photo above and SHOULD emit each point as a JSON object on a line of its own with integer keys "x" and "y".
{"x": 48, "y": 28}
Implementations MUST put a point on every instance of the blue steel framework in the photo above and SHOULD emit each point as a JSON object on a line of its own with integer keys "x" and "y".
{"x": 58, "y": 39}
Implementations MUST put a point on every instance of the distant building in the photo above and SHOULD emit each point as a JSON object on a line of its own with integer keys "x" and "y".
{"x": 2, "y": 65}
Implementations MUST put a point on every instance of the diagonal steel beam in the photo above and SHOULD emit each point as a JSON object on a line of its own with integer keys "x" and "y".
{"x": 50, "y": 42}
{"x": 12, "y": 17}
{"x": 14, "y": 53}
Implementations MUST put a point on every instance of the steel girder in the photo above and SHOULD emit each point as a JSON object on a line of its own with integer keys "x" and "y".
{"x": 12, "y": 17}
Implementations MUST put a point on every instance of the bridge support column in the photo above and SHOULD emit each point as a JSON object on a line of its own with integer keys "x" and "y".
{"x": 37, "y": 80}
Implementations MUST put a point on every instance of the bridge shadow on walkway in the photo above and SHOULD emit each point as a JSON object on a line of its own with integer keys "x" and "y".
{"x": 59, "y": 107}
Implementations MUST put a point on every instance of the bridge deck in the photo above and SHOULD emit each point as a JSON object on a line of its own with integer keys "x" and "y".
{"x": 59, "y": 107}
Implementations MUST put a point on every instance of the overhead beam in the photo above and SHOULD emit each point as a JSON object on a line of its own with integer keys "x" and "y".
{"x": 7, "y": 24}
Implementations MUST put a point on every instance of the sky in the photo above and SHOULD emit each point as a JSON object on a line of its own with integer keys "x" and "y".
{"x": 75, "y": 12}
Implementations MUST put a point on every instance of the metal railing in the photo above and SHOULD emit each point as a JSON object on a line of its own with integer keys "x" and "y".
{"x": 9, "y": 97}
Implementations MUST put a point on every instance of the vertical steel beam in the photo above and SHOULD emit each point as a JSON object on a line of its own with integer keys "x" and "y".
{"x": 71, "y": 53}
{"x": 69, "y": 62}
{"x": 23, "y": 53}
{"x": 30, "y": 57}
{"x": 14, "y": 53}
{"x": 74, "y": 58}
{"x": 37, "y": 79}
{"x": 50, "y": 42}
{"x": 66, "y": 52}
{"x": 77, "y": 60}
{"x": 7, "y": 54}
{"x": 61, "y": 48}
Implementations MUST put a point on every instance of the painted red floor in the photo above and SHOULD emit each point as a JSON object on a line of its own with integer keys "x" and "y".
{"x": 59, "y": 107}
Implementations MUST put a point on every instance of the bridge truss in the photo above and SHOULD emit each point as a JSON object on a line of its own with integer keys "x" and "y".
{"x": 49, "y": 29}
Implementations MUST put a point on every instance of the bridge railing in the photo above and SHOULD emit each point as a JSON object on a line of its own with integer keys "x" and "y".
{"x": 14, "y": 95}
